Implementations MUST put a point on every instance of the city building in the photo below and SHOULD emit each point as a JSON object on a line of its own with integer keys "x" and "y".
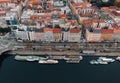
{"x": 74, "y": 35}
{"x": 57, "y": 33}
{"x": 48, "y": 34}
{"x": 39, "y": 35}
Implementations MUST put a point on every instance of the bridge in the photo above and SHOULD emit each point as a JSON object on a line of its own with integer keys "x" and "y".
{"x": 6, "y": 43}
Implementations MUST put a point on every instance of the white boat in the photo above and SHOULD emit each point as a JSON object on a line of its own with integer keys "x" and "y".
{"x": 18, "y": 57}
{"x": 27, "y": 58}
{"x": 118, "y": 58}
{"x": 43, "y": 58}
{"x": 48, "y": 61}
{"x": 102, "y": 62}
{"x": 75, "y": 58}
{"x": 105, "y": 59}
{"x": 72, "y": 61}
{"x": 94, "y": 62}
{"x": 98, "y": 61}
{"x": 81, "y": 58}
{"x": 32, "y": 58}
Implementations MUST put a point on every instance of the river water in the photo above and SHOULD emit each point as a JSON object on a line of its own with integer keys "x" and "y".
{"x": 12, "y": 71}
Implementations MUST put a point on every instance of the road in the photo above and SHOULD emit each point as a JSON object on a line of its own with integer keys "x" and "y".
{"x": 8, "y": 43}
{"x": 73, "y": 53}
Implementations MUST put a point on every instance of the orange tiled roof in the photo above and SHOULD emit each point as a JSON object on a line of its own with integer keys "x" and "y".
{"x": 4, "y": 1}
{"x": 34, "y": 2}
{"x": 34, "y": 17}
{"x": 107, "y": 31}
{"x": 56, "y": 30}
{"x": 63, "y": 16}
{"x": 75, "y": 30}
{"x": 70, "y": 21}
{"x": 117, "y": 31}
{"x": 87, "y": 21}
{"x": 77, "y": 5}
{"x": 48, "y": 29}
{"x": 106, "y": 9}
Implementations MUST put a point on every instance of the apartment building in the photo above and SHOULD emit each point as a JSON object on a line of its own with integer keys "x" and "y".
{"x": 74, "y": 35}
{"x": 57, "y": 33}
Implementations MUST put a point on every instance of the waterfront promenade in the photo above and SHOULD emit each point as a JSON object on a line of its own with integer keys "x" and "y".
{"x": 73, "y": 53}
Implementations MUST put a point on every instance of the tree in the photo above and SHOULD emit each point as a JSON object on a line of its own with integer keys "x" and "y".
{"x": 5, "y": 30}
{"x": 118, "y": 4}
{"x": 57, "y": 26}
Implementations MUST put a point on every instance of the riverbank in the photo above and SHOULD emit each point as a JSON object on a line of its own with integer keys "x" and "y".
{"x": 72, "y": 53}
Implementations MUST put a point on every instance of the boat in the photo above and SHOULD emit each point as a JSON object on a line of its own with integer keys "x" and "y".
{"x": 102, "y": 62}
{"x": 105, "y": 59}
{"x": 57, "y": 57}
{"x": 94, "y": 62}
{"x": 74, "y": 58}
{"x": 43, "y": 58}
{"x": 32, "y": 58}
{"x": 22, "y": 58}
{"x": 98, "y": 61}
{"x": 29, "y": 58}
{"x": 118, "y": 58}
{"x": 48, "y": 61}
{"x": 81, "y": 58}
{"x": 72, "y": 61}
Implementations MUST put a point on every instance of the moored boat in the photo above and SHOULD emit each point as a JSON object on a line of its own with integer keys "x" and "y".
{"x": 73, "y": 58}
{"x": 22, "y": 58}
{"x": 57, "y": 57}
{"x": 118, "y": 58}
{"x": 29, "y": 58}
{"x": 94, "y": 62}
{"x": 102, "y": 62}
{"x": 105, "y": 59}
{"x": 48, "y": 61}
{"x": 32, "y": 58}
{"x": 98, "y": 61}
{"x": 72, "y": 61}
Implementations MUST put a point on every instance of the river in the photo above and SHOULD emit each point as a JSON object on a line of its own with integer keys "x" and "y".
{"x": 12, "y": 71}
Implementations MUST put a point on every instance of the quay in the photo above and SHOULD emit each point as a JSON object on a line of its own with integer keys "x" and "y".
{"x": 59, "y": 53}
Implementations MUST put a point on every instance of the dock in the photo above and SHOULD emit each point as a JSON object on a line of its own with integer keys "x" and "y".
{"x": 59, "y": 53}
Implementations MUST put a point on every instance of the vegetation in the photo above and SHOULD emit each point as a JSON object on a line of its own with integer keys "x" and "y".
{"x": 57, "y": 26}
{"x": 5, "y": 30}
{"x": 118, "y": 4}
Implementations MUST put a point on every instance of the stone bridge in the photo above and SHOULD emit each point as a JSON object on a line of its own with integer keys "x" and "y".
{"x": 6, "y": 43}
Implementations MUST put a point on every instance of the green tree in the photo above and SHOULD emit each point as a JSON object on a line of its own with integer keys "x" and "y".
{"x": 57, "y": 26}
{"x": 118, "y": 4}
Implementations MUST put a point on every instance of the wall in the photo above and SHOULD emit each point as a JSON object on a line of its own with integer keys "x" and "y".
{"x": 107, "y": 37}
{"x": 57, "y": 37}
{"x": 74, "y": 37}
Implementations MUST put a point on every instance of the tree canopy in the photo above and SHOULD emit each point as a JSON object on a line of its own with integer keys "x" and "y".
{"x": 5, "y": 30}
